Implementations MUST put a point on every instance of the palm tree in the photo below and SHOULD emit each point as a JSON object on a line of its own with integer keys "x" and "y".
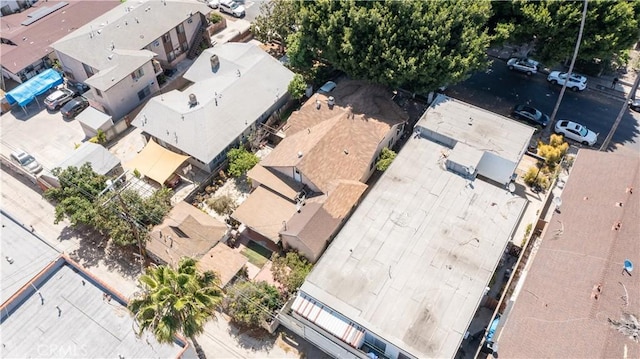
{"x": 175, "y": 301}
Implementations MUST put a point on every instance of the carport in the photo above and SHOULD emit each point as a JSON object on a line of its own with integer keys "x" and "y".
{"x": 30, "y": 90}
{"x": 156, "y": 162}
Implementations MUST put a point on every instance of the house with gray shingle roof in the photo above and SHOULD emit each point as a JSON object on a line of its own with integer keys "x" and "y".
{"x": 122, "y": 53}
{"x": 236, "y": 87}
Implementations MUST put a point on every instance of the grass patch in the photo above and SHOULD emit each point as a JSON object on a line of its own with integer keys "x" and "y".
{"x": 257, "y": 254}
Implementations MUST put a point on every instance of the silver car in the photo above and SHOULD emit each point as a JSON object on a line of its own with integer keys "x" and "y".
{"x": 527, "y": 66}
{"x": 26, "y": 161}
{"x": 58, "y": 98}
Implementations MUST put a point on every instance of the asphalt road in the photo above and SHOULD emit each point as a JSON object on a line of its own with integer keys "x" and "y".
{"x": 499, "y": 89}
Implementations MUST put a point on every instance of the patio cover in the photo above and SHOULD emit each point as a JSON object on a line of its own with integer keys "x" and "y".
{"x": 156, "y": 162}
{"x": 37, "y": 85}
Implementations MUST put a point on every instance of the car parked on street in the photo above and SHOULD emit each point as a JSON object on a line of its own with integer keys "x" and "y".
{"x": 213, "y": 3}
{"x": 231, "y": 7}
{"x": 527, "y": 66}
{"x": 531, "y": 115}
{"x": 634, "y": 105}
{"x": 576, "y": 82}
{"x": 58, "y": 98}
{"x": 26, "y": 161}
{"x": 74, "y": 107}
{"x": 576, "y": 132}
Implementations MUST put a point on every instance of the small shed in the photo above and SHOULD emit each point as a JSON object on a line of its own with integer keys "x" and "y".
{"x": 102, "y": 161}
{"x": 91, "y": 120}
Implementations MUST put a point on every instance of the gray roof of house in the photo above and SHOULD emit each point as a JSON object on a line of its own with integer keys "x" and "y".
{"x": 413, "y": 261}
{"x": 123, "y": 63}
{"x": 29, "y": 254}
{"x": 131, "y": 26}
{"x": 247, "y": 83}
{"x": 476, "y": 127}
{"x": 102, "y": 161}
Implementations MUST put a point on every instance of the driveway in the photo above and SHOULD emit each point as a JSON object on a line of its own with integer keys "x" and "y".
{"x": 44, "y": 135}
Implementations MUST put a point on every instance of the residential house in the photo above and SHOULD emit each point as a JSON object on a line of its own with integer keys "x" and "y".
{"x": 579, "y": 296}
{"x": 236, "y": 87}
{"x": 27, "y": 36}
{"x": 52, "y": 307}
{"x": 101, "y": 160}
{"x": 311, "y": 181}
{"x": 121, "y": 53}
{"x": 405, "y": 275}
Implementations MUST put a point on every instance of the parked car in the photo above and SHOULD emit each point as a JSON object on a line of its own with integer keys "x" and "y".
{"x": 231, "y": 7}
{"x": 77, "y": 87}
{"x": 531, "y": 115}
{"x": 26, "y": 161}
{"x": 576, "y": 132}
{"x": 327, "y": 87}
{"x": 58, "y": 98}
{"x": 576, "y": 82}
{"x": 213, "y": 3}
{"x": 634, "y": 105}
{"x": 173, "y": 181}
{"x": 527, "y": 66}
{"x": 74, "y": 107}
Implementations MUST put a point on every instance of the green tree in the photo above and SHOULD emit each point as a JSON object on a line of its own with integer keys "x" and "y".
{"x": 276, "y": 21}
{"x": 416, "y": 45}
{"x": 173, "y": 301}
{"x": 551, "y": 27}
{"x": 75, "y": 198}
{"x": 297, "y": 86}
{"x": 252, "y": 303}
{"x": 290, "y": 271}
{"x": 386, "y": 157}
{"x": 240, "y": 161}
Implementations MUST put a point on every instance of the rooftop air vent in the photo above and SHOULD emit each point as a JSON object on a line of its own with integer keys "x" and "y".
{"x": 215, "y": 63}
{"x": 193, "y": 101}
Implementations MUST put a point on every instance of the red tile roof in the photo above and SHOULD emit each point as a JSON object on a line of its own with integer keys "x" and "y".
{"x": 576, "y": 283}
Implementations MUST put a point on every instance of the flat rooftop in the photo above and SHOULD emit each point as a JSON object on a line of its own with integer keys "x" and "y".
{"x": 576, "y": 284}
{"x": 23, "y": 256}
{"x": 53, "y": 308}
{"x": 412, "y": 263}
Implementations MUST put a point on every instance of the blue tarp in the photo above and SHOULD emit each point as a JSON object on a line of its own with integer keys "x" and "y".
{"x": 35, "y": 86}
{"x": 492, "y": 328}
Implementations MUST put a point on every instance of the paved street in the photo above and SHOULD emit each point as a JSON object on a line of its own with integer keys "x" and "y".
{"x": 499, "y": 89}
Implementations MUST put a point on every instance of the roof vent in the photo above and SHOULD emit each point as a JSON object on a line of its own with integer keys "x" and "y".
{"x": 193, "y": 101}
{"x": 110, "y": 57}
{"x": 215, "y": 63}
{"x": 346, "y": 152}
{"x": 299, "y": 154}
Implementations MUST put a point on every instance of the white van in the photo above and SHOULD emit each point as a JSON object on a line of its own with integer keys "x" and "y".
{"x": 231, "y": 7}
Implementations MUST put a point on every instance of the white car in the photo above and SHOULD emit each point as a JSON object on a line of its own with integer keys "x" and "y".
{"x": 576, "y": 132}
{"x": 26, "y": 161}
{"x": 213, "y": 3}
{"x": 576, "y": 82}
{"x": 527, "y": 66}
{"x": 231, "y": 7}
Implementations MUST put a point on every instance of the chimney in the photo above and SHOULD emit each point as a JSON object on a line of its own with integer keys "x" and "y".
{"x": 215, "y": 63}
{"x": 193, "y": 101}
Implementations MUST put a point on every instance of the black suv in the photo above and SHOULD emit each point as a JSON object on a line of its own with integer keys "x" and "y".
{"x": 74, "y": 107}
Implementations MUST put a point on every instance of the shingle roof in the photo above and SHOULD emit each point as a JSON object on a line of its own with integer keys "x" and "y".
{"x": 131, "y": 26}
{"x": 265, "y": 212}
{"x": 39, "y": 35}
{"x": 224, "y": 261}
{"x": 575, "y": 283}
{"x": 338, "y": 143}
{"x": 276, "y": 181}
{"x": 202, "y": 232}
{"x": 228, "y": 104}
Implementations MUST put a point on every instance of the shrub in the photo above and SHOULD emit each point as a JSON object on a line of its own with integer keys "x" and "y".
{"x": 386, "y": 157}
{"x": 240, "y": 161}
{"x": 297, "y": 87}
{"x": 290, "y": 270}
{"x": 215, "y": 18}
{"x": 251, "y": 303}
{"x": 222, "y": 205}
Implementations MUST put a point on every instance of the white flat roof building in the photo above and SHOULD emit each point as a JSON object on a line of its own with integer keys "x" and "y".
{"x": 407, "y": 272}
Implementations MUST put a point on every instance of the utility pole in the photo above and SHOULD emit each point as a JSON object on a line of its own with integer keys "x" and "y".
{"x": 573, "y": 62}
{"x": 625, "y": 105}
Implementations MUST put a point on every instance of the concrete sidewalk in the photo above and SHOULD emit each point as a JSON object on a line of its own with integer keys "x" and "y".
{"x": 602, "y": 84}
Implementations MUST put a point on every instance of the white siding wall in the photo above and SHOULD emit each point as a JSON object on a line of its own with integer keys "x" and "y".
{"x": 123, "y": 97}
{"x": 71, "y": 65}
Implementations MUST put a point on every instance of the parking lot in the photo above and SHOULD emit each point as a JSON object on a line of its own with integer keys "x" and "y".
{"x": 46, "y": 136}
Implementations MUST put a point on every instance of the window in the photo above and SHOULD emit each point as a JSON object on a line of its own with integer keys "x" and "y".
{"x": 137, "y": 74}
{"x": 142, "y": 94}
{"x": 166, "y": 37}
{"x": 185, "y": 46}
{"x": 88, "y": 69}
{"x": 180, "y": 29}
{"x": 171, "y": 56}
{"x": 98, "y": 92}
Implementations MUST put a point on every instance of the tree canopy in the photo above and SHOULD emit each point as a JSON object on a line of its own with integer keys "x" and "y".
{"x": 416, "y": 45}
{"x": 240, "y": 161}
{"x": 297, "y": 86}
{"x": 290, "y": 270}
{"x": 551, "y": 27}
{"x": 173, "y": 301}
{"x": 252, "y": 303}
{"x": 275, "y": 22}
{"x": 120, "y": 215}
